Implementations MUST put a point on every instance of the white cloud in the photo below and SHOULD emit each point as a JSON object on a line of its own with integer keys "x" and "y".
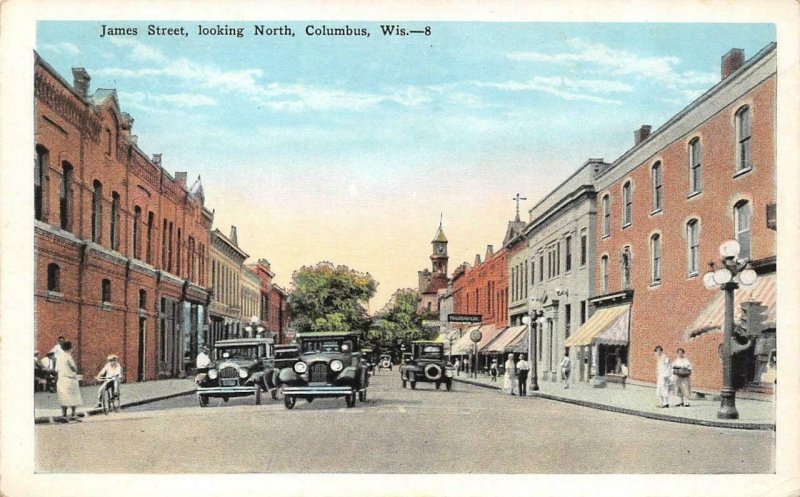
{"x": 566, "y": 88}
{"x": 183, "y": 100}
{"x": 62, "y": 47}
{"x": 139, "y": 51}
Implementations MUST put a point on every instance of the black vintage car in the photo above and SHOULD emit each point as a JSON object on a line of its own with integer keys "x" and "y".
{"x": 426, "y": 363}
{"x": 240, "y": 367}
{"x": 385, "y": 362}
{"x": 330, "y": 365}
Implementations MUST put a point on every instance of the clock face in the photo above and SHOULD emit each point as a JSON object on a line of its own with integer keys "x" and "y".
{"x": 440, "y": 249}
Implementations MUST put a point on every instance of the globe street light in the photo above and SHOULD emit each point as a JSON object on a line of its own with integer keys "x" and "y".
{"x": 255, "y": 329}
{"x": 533, "y": 318}
{"x": 728, "y": 277}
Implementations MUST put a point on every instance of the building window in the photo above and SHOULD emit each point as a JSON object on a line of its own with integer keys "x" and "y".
{"x": 178, "y": 253}
{"x": 169, "y": 249}
{"x": 658, "y": 198}
{"x": 53, "y": 278}
{"x": 606, "y": 216}
{"x": 533, "y": 272}
{"x": 114, "y": 232}
{"x": 40, "y": 161}
{"x": 108, "y": 141}
{"x": 164, "y": 244}
{"x": 693, "y": 247}
{"x": 625, "y": 262}
{"x": 584, "y": 248}
{"x": 137, "y": 219}
{"x": 142, "y": 299}
{"x": 541, "y": 268}
{"x": 655, "y": 258}
{"x": 568, "y": 254}
{"x": 743, "y": 139}
{"x": 558, "y": 258}
{"x": 583, "y": 311}
{"x": 97, "y": 211}
{"x": 150, "y": 220}
{"x": 64, "y": 196}
{"x": 567, "y": 319}
{"x": 627, "y": 204}
{"x": 106, "y": 290}
{"x": 604, "y": 273}
{"x": 695, "y": 167}
{"x": 742, "y": 214}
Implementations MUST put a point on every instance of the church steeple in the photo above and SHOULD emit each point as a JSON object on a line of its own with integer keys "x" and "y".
{"x": 439, "y": 237}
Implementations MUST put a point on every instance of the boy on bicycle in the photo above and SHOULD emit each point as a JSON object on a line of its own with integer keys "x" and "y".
{"x": 112, "y": 374}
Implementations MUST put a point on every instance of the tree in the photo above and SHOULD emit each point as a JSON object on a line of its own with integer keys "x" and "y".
{"x": 398, "y": 322}
{"x": 325, "y": 297}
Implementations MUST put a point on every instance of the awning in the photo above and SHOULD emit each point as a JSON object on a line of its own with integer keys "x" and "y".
{"x": 498, "y": 345}
{"x": 489, "y": 332}
{"x": 464, "y": 344}
{"x": 519, "y": 344}
{"x": 764, "y": 291}
{"x": 617, "y": 333}
{"x": 600, "y": 322}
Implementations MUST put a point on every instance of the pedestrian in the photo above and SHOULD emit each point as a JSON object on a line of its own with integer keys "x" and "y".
{"x": 682, "y": 371}
{"x": 508, "y": 378}
{"x": 112, "y": 370}
{"x": 493, "y": 369}
{"x": 57, "y": 349}
{"x": 458, "y": 367}
{"x": 566, "y": 369}
{"x": 39, "y": 374}
{"x": 69, "y": 392}
{"x": 522, "y": 375}
{"x": 203, "y": 361}
{"x": 663, "y": 376}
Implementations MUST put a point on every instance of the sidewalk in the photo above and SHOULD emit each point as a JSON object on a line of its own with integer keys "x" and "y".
{"x": 641, "y": 401}
{"x": 46, "y": 405}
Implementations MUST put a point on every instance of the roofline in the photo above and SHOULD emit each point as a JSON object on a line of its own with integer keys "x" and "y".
{"x": 587, "y": 190}
{"x": 227, "y": 240}
{"x": 574, "y": 173}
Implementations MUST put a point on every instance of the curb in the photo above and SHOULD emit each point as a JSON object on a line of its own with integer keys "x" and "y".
{"x": 39, "y": 420}
{"x": 634, "y": 412}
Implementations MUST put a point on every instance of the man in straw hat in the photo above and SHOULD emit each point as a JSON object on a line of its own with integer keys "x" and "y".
{"x": 111, "y": 371}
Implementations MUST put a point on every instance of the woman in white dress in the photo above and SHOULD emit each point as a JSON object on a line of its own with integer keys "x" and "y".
{"x": 663, "y": 376}
{"x": 69, "y": 392}
{"x": 508, "y": 378}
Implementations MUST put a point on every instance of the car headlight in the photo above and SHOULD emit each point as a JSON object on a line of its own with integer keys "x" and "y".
{"x": 336, "y": 366}
{"x": 300, "y": 367}
{"x": 243, "y": 373}
{"x": 212, "y": 374}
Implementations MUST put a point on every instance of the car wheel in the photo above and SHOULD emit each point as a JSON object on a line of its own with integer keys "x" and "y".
{"x": 258, "y": 396}
{"x": 449, "y": 385}
{"x": 404, "y": 383}
{"x": 362, "y": 395}
{"x": 274, "y": 394}
{"x": 350, "y": 400}
{"x": 413, "y": 385}
{"x": 438, "y": 384}
{"x": 225, "y": 399}
{"x": 203, "y": 399}
{"x": 288, "y": 401}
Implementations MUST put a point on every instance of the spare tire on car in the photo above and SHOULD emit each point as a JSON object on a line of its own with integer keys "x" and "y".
{"x": 433, "y": 372}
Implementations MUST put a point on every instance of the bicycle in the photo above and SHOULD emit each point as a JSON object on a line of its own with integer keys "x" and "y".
{"x": 110, "y": 399}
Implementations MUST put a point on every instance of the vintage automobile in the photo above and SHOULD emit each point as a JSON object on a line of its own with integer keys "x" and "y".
{"x": 241, "y": 367}
{"x": 385, "y": 362}
{"x": 426, "y": 363}
{"x": 330, "y": 365}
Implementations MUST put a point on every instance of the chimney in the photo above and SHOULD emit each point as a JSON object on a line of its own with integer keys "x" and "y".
{"x": 489, "y": 251}
{"x": 180, "y": 178}
{"x": 477, "y": 260}
{"x": 732, "y": 61}
{"x": 80, "y": 81}
{"x": 157, "y": 159}
{"x": 233, "y": 236}
{"x": 641, "y": 134}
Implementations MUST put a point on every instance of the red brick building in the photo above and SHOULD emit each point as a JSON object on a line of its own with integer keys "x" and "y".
{"x": 121, "y": 246}
{"x": 430, "y": 282}
{"x": 272, "y": 307}
{"x": 664, "y": 208}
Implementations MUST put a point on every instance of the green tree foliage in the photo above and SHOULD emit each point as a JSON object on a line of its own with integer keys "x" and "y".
{"x": 398, "y": 322}
{"x": 325, "y": 297}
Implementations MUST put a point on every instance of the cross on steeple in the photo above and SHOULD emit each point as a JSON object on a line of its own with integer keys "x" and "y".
{"x": 517, "y": 199}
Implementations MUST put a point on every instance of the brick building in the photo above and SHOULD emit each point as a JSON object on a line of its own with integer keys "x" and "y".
{"x": 664, "y": 208}
{"x": 120, "y": 244}
{"x": 227, "y": 264}
{"x": 272, "y": 304}
{"x": 430, "y": 282}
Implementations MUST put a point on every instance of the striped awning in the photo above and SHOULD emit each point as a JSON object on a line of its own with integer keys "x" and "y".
{"x": 600, "y": 322}
{"x": 498, "y": 345}
{"x": 489, "y": 332}
{"x": 617, "y": 333}
{"x": 764, "y": 292}
{"x": 464, "y": 344}
{"x": 520, "y": 344}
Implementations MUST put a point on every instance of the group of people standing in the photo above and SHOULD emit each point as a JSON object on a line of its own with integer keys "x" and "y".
{"x": 672, "y": 374}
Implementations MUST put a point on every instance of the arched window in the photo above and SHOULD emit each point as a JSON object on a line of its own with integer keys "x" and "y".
{"x": 65, "y": 197}
{"x": 655, "y": 258}
{"x": 137, "y": 219}
{"x": 625, "y": 265}
{"x": 604, "y": 273}
{"x": 742, "y": 213}
{"x": 693, "y": 247}
{"x": 105, "y": 290}
{"x": 627, "y": 204}
{"x": 53, "y": 278}
{"x": 114, "y": 226}
{"x": 150, "y": 220}
{"x": 40, "y": 161}
{"x": 606, "y": 216}
{"x": 743, "y": 139}
{"x": 142, "y": 299}
{"x": 178, "y": 253}
{"x": 695, "y": 166}
{"x": 658, "y": 194}
{"x": 97, "y": 211}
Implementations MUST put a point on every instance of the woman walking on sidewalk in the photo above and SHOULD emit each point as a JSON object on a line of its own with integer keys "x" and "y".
{"x": 69, "y": 392}
{"x": 508, "y": 378}
{"x": 682, "y": 370}
{"x": 663, "y": 376}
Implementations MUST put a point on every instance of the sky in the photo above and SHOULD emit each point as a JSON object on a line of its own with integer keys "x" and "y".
{"x": 348, "y": 149}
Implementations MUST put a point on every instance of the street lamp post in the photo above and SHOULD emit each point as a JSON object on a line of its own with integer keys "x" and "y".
{"x": 732, "y": 273}
{"x": 533, "y": 318}
{"x": 255, "y": 329}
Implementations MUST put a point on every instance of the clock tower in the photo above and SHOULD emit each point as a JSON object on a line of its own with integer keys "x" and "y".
{"x": 431, "y": 282}
{"x": 439, "y": 252}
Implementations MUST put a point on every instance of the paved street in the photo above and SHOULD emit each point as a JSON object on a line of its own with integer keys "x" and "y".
{"x": 468, "y": 430}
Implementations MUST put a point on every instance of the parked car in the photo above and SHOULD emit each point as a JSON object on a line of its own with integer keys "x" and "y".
{"x": 330, "y": 365}
{"x": 241, "y": 367}
{"x": 426, "y": 363}
{"x": 385, "y": 362}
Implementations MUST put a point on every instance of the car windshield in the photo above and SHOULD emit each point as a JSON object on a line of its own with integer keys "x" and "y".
{"x": 286, "y": 353}
{"x": 317, "y": 346}
{"x": 250, "y": 352}
{"x": 430, "y": 352}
